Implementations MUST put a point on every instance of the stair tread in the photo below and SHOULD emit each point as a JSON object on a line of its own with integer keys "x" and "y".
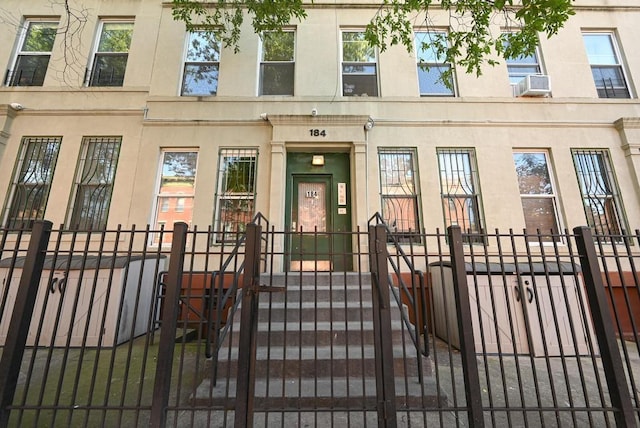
{"x": 297, "y": 353}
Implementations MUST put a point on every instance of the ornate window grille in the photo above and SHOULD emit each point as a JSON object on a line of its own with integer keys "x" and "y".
{"x": 32, "y": 181}
{"x": 236, "y": 192}
{"x": 94, "y": 182}
{"x": 399, "y": 193}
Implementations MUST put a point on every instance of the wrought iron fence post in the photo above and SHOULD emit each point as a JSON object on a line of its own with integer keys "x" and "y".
{"x": 13, "y": 350}
{"x": 245, "y": 385}
{"x": 467, "y": 343}
{"x": 385, "y": 378}
{"x": 603, "y": 326}
{"x": 162, "y": 385}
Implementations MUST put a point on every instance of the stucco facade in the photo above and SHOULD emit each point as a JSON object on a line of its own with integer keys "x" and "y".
{"x": 149, "y": 114}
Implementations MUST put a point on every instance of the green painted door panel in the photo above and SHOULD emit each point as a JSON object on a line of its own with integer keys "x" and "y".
{"x": 318, "y": 209}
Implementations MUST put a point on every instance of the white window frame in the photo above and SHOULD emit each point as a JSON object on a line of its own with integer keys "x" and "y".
{"x": 432, "y": 63}
{"x": 513, "y": 65}
{"x": 90, "y": 78}
{"x": 161, "y": 196}
{"x": 11, "y": 78}
{"x": 619, "y": 64}
{"x": 552, "y": 196}
{"x": 264, "y": 62}
{"x": 186, "y": 62}
{"x": 87, "y": 179}
{"x": 344, "y": 63}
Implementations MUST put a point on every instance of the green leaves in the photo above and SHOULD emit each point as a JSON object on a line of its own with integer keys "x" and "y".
{"x": 224, "y": 18}
{"x": 476, "y": 29}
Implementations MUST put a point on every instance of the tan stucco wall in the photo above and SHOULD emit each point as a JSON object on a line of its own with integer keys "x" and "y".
{"x": 150, "y": 116}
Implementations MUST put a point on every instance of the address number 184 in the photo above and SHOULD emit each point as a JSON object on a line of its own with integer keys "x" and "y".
{"x": 317, "y": 132}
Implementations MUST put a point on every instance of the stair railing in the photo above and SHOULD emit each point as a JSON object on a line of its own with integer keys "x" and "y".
{"x": 217, "y": 317}
{"x": 414, "y": 297}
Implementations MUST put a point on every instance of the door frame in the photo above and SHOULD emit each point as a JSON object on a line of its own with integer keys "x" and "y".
{"x": 336, "y": 169}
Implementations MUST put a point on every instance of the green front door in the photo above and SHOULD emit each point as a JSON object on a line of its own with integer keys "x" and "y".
{"x": 318, "y": 213}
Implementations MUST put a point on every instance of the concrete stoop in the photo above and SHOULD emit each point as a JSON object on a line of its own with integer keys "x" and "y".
{"x": 315, "y": 351}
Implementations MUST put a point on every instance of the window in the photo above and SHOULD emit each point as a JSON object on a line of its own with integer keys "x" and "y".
{"x": 236, "y": 192}
{"x": 432, "y": 65}
{"x": 201, "y": 66}
{"x": 599, "y": 189}
{"x": 111, "y": 54}
{"x": 33, "y": 54}
{"x": 94, "y": 183}
{"x": 523, "y": 66}
{"x": 32, "y": 181}
{"x": 359, "y": 66}
{"x": 537, "y": 194}
{"x": 180, "y": 205}
{"x": 277, "y": 64}
{"x": 176, "y": 188}
{"x": 399, "y": 192}
{"x": 460, "y": 190}
{"x": 607, "y": 70}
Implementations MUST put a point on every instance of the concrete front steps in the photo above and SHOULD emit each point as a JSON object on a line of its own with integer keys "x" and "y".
{"x": 315, "y": 350}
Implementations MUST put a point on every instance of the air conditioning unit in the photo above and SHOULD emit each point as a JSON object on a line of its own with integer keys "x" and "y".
{"x": 534, "y": 85}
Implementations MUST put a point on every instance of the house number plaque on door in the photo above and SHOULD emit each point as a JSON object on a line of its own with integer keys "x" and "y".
{"x": 311, "y": 194}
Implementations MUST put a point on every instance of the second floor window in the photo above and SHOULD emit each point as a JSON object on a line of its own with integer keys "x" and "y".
{"x": 432, "y": 65}
{"x": 277, "y": 65}
{"x": 111, "y": 54}
{"x": 359, "y": 66}
{"x": 201, "y": 65}
{"x": 523, "y": 66}
{"x": 606, "y": 66}
{"x": 33, "y": 54}
{"x": 32, "y": 181}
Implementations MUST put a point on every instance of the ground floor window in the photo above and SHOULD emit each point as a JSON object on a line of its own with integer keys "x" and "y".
{"x": 399, "y": 193}
{"x": 32, "y": 181}
{"x": 599, "y": 189}
{"x": 537, "y": 194}
{"x": 460, "y": 190}
{"x": 235, "y": 192}
{"x": 94, "y": 183}
{"x": 176, "y": 188}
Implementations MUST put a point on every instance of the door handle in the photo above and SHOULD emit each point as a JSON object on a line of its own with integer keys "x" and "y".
{"x": 293, "y": 226}
{"x": 529, "y": 291}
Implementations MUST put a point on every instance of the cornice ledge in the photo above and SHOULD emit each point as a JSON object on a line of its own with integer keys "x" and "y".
{"x": 6, "y": 110}
{"x": 307, "y": 119}
{"x": 627, "y": 123}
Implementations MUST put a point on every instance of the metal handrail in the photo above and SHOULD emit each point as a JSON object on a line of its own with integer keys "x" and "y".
{"x": 212, "y": 349}
{"x": 403, "y": 290}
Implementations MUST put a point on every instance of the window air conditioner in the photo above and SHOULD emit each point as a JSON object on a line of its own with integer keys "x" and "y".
{"x": 534, "y": 85}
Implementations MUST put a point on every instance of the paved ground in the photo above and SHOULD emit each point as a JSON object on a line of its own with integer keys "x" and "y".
{"x": 571, "y": 385}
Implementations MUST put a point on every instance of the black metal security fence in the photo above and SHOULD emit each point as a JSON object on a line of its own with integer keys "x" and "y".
{"x": 149, "y": 328}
